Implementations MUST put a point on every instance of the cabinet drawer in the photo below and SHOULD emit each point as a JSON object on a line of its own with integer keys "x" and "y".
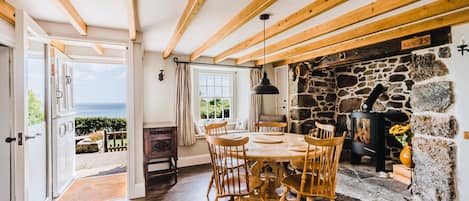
{"x": 160, "y": 131}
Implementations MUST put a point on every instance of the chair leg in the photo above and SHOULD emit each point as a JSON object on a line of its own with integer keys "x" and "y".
{"x": 210, "y": 185}
{"x": 284, "y": 194}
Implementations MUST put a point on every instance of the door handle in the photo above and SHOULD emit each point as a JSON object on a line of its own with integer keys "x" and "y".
{"x": 10, "y": 139}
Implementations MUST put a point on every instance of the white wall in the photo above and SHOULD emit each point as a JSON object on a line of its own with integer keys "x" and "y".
{"x": 7, "y": 33}
{"x": 459, "y": 72}
{"x": 244, "y": 93}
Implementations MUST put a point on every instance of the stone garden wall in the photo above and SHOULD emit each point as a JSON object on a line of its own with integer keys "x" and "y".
{"x": 434, "y": 148}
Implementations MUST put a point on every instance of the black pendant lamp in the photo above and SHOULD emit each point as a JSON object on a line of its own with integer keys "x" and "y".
{"x": 264, "y": 86}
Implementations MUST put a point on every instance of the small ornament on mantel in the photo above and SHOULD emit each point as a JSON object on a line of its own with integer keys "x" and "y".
{"x": 161, "y": 74}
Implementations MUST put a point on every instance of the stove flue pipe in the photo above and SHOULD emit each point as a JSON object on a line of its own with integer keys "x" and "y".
{"x": 377, "y": 91}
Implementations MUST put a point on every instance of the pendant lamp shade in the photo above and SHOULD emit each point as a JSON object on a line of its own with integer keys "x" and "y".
{"x": 264, "y": 86}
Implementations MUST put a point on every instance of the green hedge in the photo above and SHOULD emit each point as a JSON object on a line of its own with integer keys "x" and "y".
{"x": 86, "y": 125}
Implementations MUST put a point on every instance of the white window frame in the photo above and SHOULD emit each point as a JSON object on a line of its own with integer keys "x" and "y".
{"x": 196, "y": 94}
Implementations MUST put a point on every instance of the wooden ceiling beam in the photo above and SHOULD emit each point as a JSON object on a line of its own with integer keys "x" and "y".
{"x": 191, "y": 10}
{"x": 7, "y": 12}
{"x": 73, "y": 15}
{"x": 132, "y": 20}
{"x": 432, "y": 9}
{"x": 434, "y": 23}
{"x": 99, "y": 49}
{"x": 307, "y": 12}
{"x": 252, "y": 10}
{"x": 363, "y": 13}
{"x": 58, "y": 45}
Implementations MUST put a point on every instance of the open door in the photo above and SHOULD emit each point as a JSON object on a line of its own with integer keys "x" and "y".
{"x": 6, "y": 139}
{"x": 31, "y": 111}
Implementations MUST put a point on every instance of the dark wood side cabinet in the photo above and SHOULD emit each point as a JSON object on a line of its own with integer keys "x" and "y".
{"x": 160, "y": 147}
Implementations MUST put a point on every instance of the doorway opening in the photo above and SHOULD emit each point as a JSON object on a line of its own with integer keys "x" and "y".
{"x": 91, "y": 93}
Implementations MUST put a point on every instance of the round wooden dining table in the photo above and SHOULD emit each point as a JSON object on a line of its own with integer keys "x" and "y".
{"x": 271, "y": 149}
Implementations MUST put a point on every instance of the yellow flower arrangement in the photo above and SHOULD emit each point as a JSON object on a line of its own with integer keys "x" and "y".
{"x": 402, "y": 133}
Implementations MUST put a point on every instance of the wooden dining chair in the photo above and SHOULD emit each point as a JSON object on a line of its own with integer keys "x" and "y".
{"x": 229, "y": 164}
{"x": 322, "y": 131}
{"x": 271, "y": 126}
{"x": 216, "y": 129}
{"x": 318, "y": 178}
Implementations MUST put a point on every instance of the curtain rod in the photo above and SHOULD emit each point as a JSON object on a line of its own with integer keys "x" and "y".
{"x": 176, "y": 60}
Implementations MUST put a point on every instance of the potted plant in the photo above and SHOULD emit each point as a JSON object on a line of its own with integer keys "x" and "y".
{"x": 404, "y": 135}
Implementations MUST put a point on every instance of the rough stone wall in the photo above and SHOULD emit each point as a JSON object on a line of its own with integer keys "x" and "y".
{"x": 312, "y": 97}
{"x": 356, "y": 81}
{"x": 433, "y": 147}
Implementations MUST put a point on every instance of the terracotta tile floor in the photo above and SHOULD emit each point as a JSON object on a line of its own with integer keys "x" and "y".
{"x": 99, "y": 188}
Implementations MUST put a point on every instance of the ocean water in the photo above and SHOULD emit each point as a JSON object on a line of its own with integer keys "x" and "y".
{"x": 101, "y": 109}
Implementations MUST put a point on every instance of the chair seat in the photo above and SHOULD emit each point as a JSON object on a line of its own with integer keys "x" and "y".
{"x": 294, "y": 182}
{"x": 232, "y": 180}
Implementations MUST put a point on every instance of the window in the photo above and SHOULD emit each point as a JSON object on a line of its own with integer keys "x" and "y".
{"x": 215, "y": 92}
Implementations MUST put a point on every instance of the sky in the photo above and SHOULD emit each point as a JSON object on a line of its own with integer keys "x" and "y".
{"x": 99, "y": 83}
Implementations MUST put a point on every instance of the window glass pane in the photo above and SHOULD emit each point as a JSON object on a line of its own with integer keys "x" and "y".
{"x": 226, "y": 108}
{"x": 203, "y": 109}
{"x": 203, "y": 80}
{"x": 210, "y": 91}
{"x": 226, "y": 92}
{"x": 211, "y": 108}
{"x": 227, "y": 81}
{"x": 218, "y": 91}
{"x": 218, "y": 109}
{"x": 210, "y": 81}
{"x": 203, "y": 91}
{"x": 218, "y": 81}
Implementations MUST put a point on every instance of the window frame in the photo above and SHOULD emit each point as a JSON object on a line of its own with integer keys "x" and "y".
{"x": 196, "y": 73}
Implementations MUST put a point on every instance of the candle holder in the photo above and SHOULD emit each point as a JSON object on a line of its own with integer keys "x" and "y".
{"x": 161, "y": 75}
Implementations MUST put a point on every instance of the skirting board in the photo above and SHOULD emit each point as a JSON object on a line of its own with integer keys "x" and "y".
{"x": 138, "y": 191}
{"x": 194, "y": 160}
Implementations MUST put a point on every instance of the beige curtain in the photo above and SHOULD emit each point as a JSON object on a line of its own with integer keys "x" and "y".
{"x": 186, "y": 130}
{"x": 255, "y": 102}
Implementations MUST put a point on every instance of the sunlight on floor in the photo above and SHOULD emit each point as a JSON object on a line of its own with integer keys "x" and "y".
{"x": 109, "y": 187}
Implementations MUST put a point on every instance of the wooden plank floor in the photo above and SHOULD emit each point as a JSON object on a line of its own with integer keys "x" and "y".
{"x": 192, "y": 186}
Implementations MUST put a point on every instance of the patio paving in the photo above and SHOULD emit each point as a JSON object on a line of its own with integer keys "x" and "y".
{"x": 94, "y": 164}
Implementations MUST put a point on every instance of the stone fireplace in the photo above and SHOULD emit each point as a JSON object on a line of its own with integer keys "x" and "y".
{"x": 419, "y": 87}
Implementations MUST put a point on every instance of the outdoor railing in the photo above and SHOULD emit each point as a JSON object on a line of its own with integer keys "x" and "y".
{"x": 115, "y": 141}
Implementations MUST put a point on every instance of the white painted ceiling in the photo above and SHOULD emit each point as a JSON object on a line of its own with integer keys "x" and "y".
{"x": 158, "y": 19}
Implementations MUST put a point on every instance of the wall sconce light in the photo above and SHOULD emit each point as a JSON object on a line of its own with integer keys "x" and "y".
{"x": 161, "y": 75}
{"x": 463, "y": 46}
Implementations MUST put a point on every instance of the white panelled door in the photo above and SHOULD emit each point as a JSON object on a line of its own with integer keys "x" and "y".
{"x": 31, "y": 123}
{"x": 6, "y": 140}
{"x": 281, "y": 81}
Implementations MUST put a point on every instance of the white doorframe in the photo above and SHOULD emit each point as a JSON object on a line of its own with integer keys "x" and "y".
{"x": 24, "y": 24}
{"x": 135, "y": 181}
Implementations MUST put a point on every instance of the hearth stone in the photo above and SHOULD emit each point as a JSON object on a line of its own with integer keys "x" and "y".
{"x": 359, "y": 69}
{"x": 363, "y": 91}
{"x": 434, "y": 96}
{"x": 435, "y": 168}
{"x": 401, "y": 68}
{"x": 446, "y": 126}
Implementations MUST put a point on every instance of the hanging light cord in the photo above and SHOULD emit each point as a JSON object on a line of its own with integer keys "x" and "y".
{"x": 263, "y": 65}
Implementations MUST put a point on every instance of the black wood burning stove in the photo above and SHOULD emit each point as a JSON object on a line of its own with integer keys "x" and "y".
{"x": 368, "y": 132}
